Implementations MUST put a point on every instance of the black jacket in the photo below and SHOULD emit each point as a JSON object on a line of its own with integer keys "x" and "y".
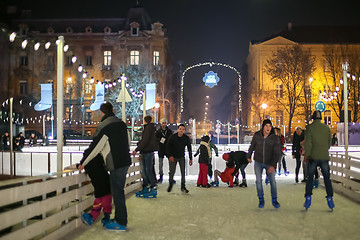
{"x": 166, "y": 134}
{"x": 176, "y": 146}
{"x": 204, "y": 154}
{"x": 296, "y": 142}
{"x": 111, "y": 140}
{"x": 238, "y": 158}
{"x": 147, "y": 143}
{"x": 267, "y": 150}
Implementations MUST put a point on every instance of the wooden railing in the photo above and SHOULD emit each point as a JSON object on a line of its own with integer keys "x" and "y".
{"x": 345, "y": 175}
{"x": 50, "y": 206}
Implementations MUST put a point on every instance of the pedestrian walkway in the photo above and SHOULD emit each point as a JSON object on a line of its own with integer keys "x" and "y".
{"x": 232, "y": 213}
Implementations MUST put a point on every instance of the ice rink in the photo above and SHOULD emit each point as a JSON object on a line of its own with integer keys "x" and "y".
{"x": 232, "y": 213}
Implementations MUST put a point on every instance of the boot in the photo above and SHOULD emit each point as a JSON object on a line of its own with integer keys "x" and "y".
{"x": 330, "y": 202}
{"x": 275, "y": 203}
{"x": 243, "y": 184}
{"x": 215, "y": 183}
{"x": 184, "y": 190}
{"x": 105, "y": 219}
{"x": 296, "y": 179}
{"x": 286, "y": 173}
{"x": 279, "y": 172}
{"x": 160, "y": 179}
{"x": 307, "y": 203}
{"x": 261, "y": 201}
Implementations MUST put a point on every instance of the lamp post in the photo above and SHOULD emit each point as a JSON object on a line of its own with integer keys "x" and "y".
{"x": 157, "y": 105}
{"x": 70, "y": 85}
{"x": 263, "y": 106}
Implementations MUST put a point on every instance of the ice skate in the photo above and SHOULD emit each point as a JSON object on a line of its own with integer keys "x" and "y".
{"x": 151, "y": 194}
{"x": 279, "y": 173}
{"x": 87, "y": 218}
{"x": 160, "y": 179}
{"x": 184, "y": 190}
{"x": 105, "y": 219}
{"x": 261, "y": 202}
{"x": 307, "y": 203}
{"x": 330, "y": 202}
{"x": 275, "y": 203}
{"x": 142, "y": 192}
{"x": 243, "y": 184}
{"x": 286, "y": 173}
{"x": 215, "y": 183}
{"x": 236, "y": 182}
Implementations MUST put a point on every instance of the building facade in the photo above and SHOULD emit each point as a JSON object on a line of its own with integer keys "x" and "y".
{"x": 329, "y": 47}
{"x": 104, "y": 49}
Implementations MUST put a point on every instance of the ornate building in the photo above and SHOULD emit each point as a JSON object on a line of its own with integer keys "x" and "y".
{"x": 103, "y": 47}
{"x": 329, "y": 47}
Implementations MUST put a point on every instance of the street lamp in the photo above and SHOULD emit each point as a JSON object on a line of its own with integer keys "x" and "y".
{"x": 157, "y": 105}
{"x": 264, "y": 106}
{"x": 70, "y": 86}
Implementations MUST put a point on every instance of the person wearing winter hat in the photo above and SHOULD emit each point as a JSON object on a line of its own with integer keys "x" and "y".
{"x": 238, "y": 158}
{"x": 204, "y": 158}
{"x": 267, "y": 154}
{"x": 317, "y": 145}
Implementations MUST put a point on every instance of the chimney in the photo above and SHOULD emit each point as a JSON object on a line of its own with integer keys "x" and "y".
{"x": 289, "y": 26}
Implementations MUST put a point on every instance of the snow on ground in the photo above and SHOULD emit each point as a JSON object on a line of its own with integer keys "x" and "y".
{"x": 232, "y": 213}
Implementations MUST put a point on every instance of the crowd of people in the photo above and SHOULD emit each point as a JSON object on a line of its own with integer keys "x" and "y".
{"x": 19, "y": 141}
{"x": 108, "y": 158}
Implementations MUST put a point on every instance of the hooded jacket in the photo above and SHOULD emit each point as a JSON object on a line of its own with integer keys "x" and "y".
{"x": 147, "y": 144}
{"x": 267, "y": 150}
{"x": 111, "y": 141}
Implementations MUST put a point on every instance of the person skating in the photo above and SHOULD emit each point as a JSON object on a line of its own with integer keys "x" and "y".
{"x": 176, "y": 152}
{"x": 226, "y": 176}
{"x": 297, "y": 139}
{"x": 162, "y": 136}
{"x": 240, "y": 162}
{"x": 317, "y": 145}
{"x": 212, "y": 146}
{"x": 283, "y": 148}
{"x": 205, "y": 152}
{"x": 111, "y": 140}
{"x": 147, "y": 146}
{"x": 267, "y": 154}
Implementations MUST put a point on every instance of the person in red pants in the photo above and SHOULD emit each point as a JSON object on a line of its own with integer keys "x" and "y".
{"x": 227, "y": 176}
{"x": 204, "y": 158}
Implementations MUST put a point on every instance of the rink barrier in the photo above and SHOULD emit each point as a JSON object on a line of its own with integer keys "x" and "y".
{"x": 345, "y": 175}
{"x": 50, "y": 206}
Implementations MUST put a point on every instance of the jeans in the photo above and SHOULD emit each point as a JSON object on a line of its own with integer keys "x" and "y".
{"x": 161, "y": 166}
{"x": 258, "y": 168}
{"x": 242, "y": 170}
{"x": 117, "y": 181}
{"x": 172, "y": 165}
{"x": 325, "y": 170}
{"x": 147, "y": 164}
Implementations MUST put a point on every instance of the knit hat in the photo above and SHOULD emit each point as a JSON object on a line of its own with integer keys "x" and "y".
{"x": 205, "y": 138}
{"x": 316, "y": 115}
{"x": 266, "y": 121}
{"x": 226, "y": 156}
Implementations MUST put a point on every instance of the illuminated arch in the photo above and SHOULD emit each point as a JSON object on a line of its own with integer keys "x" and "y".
{"x": 210, "y": 64}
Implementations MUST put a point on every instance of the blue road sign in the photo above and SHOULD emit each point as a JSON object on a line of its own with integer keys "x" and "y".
{"x": 320, "y": 105}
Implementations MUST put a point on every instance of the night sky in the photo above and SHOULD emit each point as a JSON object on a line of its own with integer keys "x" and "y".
{"x": 216, "y": 30}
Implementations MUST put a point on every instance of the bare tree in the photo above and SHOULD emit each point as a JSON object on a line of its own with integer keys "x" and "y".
{"x": 292, "y": 66}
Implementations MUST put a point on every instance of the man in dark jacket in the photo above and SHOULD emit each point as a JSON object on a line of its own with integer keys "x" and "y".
{"x": 147, "y": 146}
{"x": 162, "y": 135}
{"x": 176, "y": 152}
{"x": 238, "y": 158}
{"x": 297, "y": 139}
{"x": 317, "y": 144}
{"x": 267, "y": 154}
{"x": 111, "y": 141}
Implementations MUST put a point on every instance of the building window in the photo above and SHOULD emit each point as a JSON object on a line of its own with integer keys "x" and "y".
{"x": 23, "y": 87}
{"x": 69, "y": 61}
{"x": 23, "y": 60}
{"x": 50, "y": 63}
{"x": 279, "y": 90}
{"x": 279, "y": 118}
{"x": 134, "y": 31}
{"x": 156, "y": 58}
{"x": 327, "y": 117}
{"x": 134, "y": 57}
{"x": 88, "y": 60}
{"x": 107, "y": 58}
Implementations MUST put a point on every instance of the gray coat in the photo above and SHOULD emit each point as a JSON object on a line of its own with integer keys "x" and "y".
{"x": 267, "y": 150}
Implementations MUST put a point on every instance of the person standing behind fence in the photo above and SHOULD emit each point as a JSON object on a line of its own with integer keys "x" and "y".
{"x": 162, "y": 136}
{"x": 267, "y": 154}
{"x": 176, "y": 152}
{"x": 147, "y": 146}
{"x": 111, "y": 140}
{"x": 6, "y": 141}
{"x": 297, "y": 139}
{"x": 283, "y": 148}
{"x": 317, "y": 145}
